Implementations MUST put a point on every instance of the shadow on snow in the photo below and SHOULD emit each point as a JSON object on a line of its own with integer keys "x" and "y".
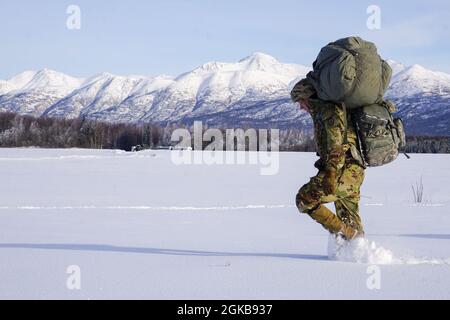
{"x": 173, "y": 252}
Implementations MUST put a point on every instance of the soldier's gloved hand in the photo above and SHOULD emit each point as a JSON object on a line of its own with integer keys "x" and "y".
{"x": 330, "y": 182}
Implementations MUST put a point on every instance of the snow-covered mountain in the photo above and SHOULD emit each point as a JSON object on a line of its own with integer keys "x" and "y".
{"x": 33, "y": 93}
{"x": 219, "y": 93}
{"x": 423, "y": 99}
{"x": 95, "y": 95}
{"x": 253, "y": 91}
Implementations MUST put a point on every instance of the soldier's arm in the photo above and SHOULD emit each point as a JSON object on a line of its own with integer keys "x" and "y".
{"x": 334, "y": 126}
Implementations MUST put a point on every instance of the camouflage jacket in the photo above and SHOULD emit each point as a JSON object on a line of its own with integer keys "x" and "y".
{"x": 329, "y": 132}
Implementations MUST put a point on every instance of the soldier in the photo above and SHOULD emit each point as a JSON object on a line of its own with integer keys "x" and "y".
{"x": 341, "y": 169}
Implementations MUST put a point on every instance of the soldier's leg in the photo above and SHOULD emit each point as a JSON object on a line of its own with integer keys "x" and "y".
{"x": 348, "y": 211}
{"x": 311, "y": 199}
{"x": 311, "y": 195}
{"x": 348, "y": 192}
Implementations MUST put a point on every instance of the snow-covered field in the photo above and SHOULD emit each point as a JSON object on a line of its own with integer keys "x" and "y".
{"x": 139, "y": 226}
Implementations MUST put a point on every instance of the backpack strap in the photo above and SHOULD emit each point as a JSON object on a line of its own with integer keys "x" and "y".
{"x": 344, "y": 108}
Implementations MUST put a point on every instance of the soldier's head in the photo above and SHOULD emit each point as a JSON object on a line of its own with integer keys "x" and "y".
{"x": 302, "y": 92}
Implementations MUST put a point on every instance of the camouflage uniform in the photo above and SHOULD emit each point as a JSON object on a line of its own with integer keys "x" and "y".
{"x": 338, "y": 155}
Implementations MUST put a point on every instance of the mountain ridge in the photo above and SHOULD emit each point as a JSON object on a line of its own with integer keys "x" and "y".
{"x": 252, "y": 91}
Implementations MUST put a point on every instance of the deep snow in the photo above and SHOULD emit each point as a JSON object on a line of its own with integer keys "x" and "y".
{"x": 139, "y": 226}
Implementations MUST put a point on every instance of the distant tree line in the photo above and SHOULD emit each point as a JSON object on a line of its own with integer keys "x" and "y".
{"x": 427, "y": 144}
{"x": 26, "y": 131}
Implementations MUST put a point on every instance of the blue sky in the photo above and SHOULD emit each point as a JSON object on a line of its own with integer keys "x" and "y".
{"x": 152, "y": 37}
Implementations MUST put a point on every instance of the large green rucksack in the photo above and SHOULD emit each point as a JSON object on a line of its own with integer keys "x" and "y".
{"x": 380, "y": 135}
{"x": 350, "y": 71}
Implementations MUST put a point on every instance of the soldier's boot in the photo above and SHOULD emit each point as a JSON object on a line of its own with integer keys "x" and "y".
{"x": 333, "y": 224}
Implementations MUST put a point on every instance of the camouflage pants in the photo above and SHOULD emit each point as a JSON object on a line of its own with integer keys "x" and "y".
{"x": 346, "y": 198}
